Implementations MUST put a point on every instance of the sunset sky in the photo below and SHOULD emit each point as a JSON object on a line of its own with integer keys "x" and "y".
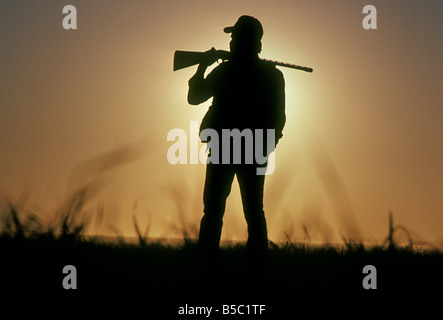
{"x": 93, "y": 106}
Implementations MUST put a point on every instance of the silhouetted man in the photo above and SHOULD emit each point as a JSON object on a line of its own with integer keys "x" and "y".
{"x": 248, "y": 93}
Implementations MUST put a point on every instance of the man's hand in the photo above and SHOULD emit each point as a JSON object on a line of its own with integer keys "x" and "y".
{"x": 209, "y": 57}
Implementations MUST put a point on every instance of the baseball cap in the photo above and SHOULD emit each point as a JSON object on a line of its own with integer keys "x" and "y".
{"x": 247, "y": 25}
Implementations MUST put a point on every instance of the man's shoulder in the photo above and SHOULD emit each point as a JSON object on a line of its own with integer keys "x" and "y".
{"x": 221, "y": 67}
{"x": 271, "y": 71}
{"x": 219, "y": 70}
{"x": 264, "y": 67}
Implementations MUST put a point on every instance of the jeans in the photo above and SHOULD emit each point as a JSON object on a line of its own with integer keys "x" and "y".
{"x": 218, "y": 181}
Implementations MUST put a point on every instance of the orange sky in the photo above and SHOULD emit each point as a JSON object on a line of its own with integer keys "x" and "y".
{"x": 93, "y": 106}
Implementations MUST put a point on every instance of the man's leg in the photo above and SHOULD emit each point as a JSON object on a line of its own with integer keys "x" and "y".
{"x": 251, "y": 188}
{"x": 218, "y": 183}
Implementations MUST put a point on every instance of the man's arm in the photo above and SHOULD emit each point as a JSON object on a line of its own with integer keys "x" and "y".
{"x": 280, "y": 114}
{"x": 200, "y": 89}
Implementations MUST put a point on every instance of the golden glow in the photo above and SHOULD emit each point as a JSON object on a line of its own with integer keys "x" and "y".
{"x": 369, "y": 116}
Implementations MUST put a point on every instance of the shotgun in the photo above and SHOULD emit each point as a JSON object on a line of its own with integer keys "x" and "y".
{"x": 185, "y": 59}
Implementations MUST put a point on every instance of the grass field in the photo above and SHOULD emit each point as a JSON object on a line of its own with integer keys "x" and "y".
{"x": 33, "y": 258}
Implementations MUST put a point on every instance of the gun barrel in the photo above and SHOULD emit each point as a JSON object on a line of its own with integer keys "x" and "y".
{"x": 289, "y": 65}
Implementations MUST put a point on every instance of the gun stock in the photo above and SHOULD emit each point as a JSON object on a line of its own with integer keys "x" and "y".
{"x": 185, "y": 59}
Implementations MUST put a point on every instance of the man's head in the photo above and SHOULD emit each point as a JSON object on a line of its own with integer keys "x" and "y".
{"x": 246, "y": 36}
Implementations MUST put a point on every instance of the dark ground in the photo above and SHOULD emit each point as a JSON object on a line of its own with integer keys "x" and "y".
{"x": 175, "y": 276}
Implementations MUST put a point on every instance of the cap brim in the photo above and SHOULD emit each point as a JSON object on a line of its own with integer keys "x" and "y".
{"x": 228, "y": 29}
